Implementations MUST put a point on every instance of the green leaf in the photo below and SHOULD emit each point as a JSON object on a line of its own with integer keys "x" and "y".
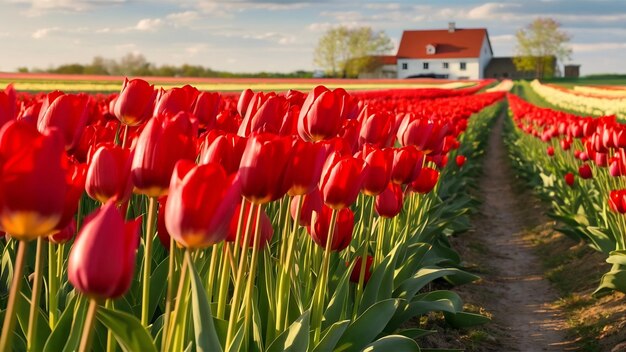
{"x": 58, "y": 339}
{"x": 128, "y": 331}
{"x": 43, "y": 328}
{"x": 158, "y": 285}
{"x": 367, "y": 326}
{"x": 295, "y": 338}
{"x": 331, "y": 336}
{"x": 465, "y": 319}
{"x": 416, "y": 333}
{"x": 380, "y": 284}
{"x": 396, "y": 343}
{"x": 337, "y": 303}
{"x": 203, "y": 326}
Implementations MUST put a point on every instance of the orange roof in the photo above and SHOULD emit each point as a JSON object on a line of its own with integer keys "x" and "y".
{"x": 386, "y": 59}
{"x": 461, "y": 43}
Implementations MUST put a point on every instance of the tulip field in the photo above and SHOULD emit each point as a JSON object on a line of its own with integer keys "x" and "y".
{"x": 180, "y": 219}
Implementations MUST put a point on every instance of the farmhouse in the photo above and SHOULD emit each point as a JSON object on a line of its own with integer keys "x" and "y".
{"x": 453, "y": 53}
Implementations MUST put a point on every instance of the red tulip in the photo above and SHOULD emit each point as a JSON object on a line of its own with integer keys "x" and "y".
{"x": 378, "y": 170}
{"x": 312, "y": 203}
{"x": 225, "y": 149}
{"x": 460, "y": 160}
{"x": 342, "y": 179}
{"x": 175, "y": 100}
{"x": 75, "y": 186}
{"x": 321, "y": 114}
{"x": 356, "y": 269}
{"x": 162, "y": 233}
{"x": 343, "y": 228}
{"x": 305, "y": 167}
{"x": 585, "y": 171}
{"x": 32, "y": 180}
{"x": 407, "y": 163}
{"x": 109, "y": 174}
{"x": 377, "y": 129}
{"x": 68, "y": 113}
{"x": 425, "y": 181}
{"x": 569, "y": 179}
{"x": 266, "y": 230}
{"x": 102, "y": 260}
{"x": 163, "y": 141}
{"x": 617, "y": 201}
{"x": 244, "y": 100}
{"x": 205, "y": 108}
{"x": 389, "y": 203}
{"x": 135, "y": 103}
{"x": 8, "y": 105}
{"x": 200, "y": 203}
{"x": 64, "y": 235}
{"x": 263, "y": 166}
{"x": 550, "y": 151}
{"x": 267, "y": 117}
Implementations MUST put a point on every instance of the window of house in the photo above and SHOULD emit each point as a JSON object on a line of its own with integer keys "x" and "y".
{"x": 463, "y": 66}
{"x": 445, "y": 65}
{"x": 425, "y": 65}
{"x": 405, "y": 66}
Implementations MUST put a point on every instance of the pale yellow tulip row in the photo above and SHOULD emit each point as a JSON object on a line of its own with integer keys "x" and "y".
{"x": 598, "y": 91}
{"x": 503, "y": 86}
{"x": 579, "y": 103}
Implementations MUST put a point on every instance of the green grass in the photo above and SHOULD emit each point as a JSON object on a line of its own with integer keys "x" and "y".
{"x": 608, "y": 79}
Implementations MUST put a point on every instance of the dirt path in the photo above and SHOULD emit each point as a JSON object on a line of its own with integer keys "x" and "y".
{"x": 520, "y": 296}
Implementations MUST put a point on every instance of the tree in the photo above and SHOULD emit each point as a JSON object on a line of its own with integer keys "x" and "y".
{"x": 539, "y": 44}
{"x": 347, "y": 51}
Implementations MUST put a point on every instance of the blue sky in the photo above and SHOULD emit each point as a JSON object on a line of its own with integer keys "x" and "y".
{"x": 279, "y": 35}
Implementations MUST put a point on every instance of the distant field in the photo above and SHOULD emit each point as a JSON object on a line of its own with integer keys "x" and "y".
{"x": 89, "y": 83}
{"x": 589, "y": 81}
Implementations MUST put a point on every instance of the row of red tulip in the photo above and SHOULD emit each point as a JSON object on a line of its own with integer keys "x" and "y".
{"x": 594, "y": 149}
{"x": 324, "y": 148}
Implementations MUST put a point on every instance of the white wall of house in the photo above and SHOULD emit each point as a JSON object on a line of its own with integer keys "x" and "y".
{"x": 474, "y": 67}
{"x": 415, "y": 67}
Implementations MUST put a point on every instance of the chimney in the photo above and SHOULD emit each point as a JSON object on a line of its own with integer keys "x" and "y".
{"x": 451, "y": 27}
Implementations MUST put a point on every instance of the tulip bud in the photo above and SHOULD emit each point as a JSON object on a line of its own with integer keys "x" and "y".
{"x": 205, "y": 108}
{"x": 343, "y": 228}
{"x": 135, "y": 103}
{"x": 425, "y": 181}
{"x": 342, "y": 179}
{"x": 550, "y": 151}
{"x": 8, "y": 105}
{"x": 305, "y": 167}
{"x": 200, "y": 203}
{"x": 569, "y": 179}
{"x": 389, "y": 203}
{"x": 585, "y": 171}
{"x": 460, "y": 160}
{"x": 263, "y": 166}
{"x": 356, "y": 269}
{"x": 312, "y": 203}
{"x": 378, "y": 171}
{"x": 109, "y": 174}
{"x": 68, "y": 113}
{"x": 32, "y": 180}
{"x": 321, "y": 115}
{"x": 102, "y": 260}
{"x": 617, "y": 201}
{"x": 163, "y": 142}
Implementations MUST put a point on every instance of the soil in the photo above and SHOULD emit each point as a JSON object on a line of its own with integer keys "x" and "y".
{"x": 513, "y": 289}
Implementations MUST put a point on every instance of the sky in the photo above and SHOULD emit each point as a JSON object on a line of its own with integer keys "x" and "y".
{"x": 280, "y": 35}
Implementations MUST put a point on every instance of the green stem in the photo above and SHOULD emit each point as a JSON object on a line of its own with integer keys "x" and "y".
{"x": 318, "y": 297}
{"x": 53, "y": 285}
{"x": 16, "y": 283}
{"x": 124, "y": 136}
{"x": 361, "y": 283}
{"x": 240, "y": 228}
{"x": 169, "y": 334}
{"x": 212, "y": 269}
{"x": 224, "y": 282}
{"x": 252, "y": 272}
{"x": 85, "y": 341}
{"x": 111, "y": 343}
{"x": 147, "y": 263}
{"x": 285, "y": 274}
{"x": 170, "y": 287}
{"x": 234, "y": 308}
{"x": 33, "y": 315}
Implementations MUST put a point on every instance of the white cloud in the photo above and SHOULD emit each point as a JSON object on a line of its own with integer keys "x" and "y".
{"x": 44, "y": 32}
{"x": 42, "y": 7}
{"x": 597, "y": 47}
{"x": 490, "y": 10}
{"x": 148, "y": 24}
{"x": 272, "y": 37}
{"x": 182, "y": 18}
{"x": 196, "y": 49}
{"x": 501, "y": 38}
{"x": 383, "y": 6}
